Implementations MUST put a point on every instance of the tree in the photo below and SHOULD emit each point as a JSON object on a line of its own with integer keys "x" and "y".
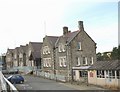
{"x": 119, "y": 52}
{"x": 106, "y": 57}
{"x": 114, "y": 54}
{"x": 99, "y": 57}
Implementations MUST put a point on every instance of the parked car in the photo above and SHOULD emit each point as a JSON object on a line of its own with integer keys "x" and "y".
{"x": 16, "y": 79}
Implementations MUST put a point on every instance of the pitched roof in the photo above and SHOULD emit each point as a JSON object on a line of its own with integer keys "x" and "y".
{"x": 36, "y": 55}
{"x": 71, "y": 35}
{"x": 22, "y": 49}
{"x": 10, "y": 50}
{"x": 36, "y": 46}
{"x": 53, "y": 39}
{"x": 17, "y": 49}
{"x": 106, "y": 65}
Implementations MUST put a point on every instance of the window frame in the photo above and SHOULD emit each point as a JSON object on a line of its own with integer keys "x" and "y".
{"x": 85, "y": 59}
{"x": 46, "y": 50}
{"x": 83, "y": 74}
{"x": 110, "y": 74}
{"x": 100, "y": 74}
{"x": 78, "y": 61}
{"x": 62, "y": 61}
{"x": 91, "y": 60}
{"x": 79, "y": 46}
{"x": 61, "y": 47}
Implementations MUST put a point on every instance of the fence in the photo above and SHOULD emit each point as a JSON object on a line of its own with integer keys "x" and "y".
{"x": 6, "y": 85}
{"x": 50, "y": 76}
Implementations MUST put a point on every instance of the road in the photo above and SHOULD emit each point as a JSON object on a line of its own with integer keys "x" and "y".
{"x": 38, "y": 83}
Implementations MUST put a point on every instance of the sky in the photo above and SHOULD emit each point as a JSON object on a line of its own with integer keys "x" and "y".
{"x": 22, "y": 21}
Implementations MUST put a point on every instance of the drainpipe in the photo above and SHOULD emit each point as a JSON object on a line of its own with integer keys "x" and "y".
{"x": 54, "y": 57}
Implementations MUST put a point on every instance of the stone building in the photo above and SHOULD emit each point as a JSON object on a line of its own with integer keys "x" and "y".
{"x": 22, "y": 55}
{"x": 71, "y": 50}
{"x": 74, "y": 49}
{"x": 9, "y": 58}
{"x": 16, "y": 57}
{"x": 34, "y": 54}
{"x": 48, "y": 54}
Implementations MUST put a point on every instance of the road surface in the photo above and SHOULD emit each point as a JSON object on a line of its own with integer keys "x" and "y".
{"x": 38, "y": 83}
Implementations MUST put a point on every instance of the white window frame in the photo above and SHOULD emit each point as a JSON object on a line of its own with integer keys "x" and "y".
{"x": 47, "y": 62}
{"x": 85, "y": 61}
{"x": 79, "y": 43}
{"x": 78, "y": 61}
{"x": 61, "y": 47}
{"x": 46, "y": 50}
{"x": 91, "y": 61}
{"x": 62, "y": 61}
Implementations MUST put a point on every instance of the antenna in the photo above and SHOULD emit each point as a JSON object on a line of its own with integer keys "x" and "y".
{"x": 45, "y": 27}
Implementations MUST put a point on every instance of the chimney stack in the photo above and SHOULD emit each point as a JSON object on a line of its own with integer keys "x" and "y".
{"x": 80, "y": 25}
{"x": 65, "y": 30}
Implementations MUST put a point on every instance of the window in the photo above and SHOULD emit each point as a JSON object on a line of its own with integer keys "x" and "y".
{"x": 46, "y": 50}
{"x": 83, "y": 73}
{"x": 79, "y": 45}
{"x": 91, "y": 60}
{"x": 84, "y": 60}
{"x": 110, "y": 74}
{"x": 118, "y": 74}
{"x": 61, "y": 47}
{"x": 47, "y": 62}
{"x": 78, "y": 61}
{"x": 62, "y": 61}
{"x": 100, "y": 74}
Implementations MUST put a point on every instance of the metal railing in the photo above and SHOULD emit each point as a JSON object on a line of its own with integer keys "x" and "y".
{"x": 6, "y": 85}
{"x": 56, "y": 77}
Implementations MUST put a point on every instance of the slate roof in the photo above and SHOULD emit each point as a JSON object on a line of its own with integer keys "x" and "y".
{"x": 36, "y": 55}
{"x": 106, "y": 65}
{"x": 53, "y": 39}
{"x": 36, "y": 46}
{"x": 23, "y": 48}
{"x": 36, "y": 49}
{"x": 69, "y": 36}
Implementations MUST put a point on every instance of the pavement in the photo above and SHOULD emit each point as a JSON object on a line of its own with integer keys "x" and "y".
{"x": 83, "y": 86}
